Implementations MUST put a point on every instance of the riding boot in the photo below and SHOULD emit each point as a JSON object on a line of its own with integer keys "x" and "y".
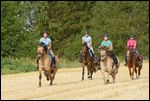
{"x": 94, "y": 58}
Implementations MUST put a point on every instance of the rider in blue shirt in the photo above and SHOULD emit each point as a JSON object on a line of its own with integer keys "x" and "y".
{"x": 88, "y": 40}
{"x": 108, "y": 44}
{"x": 45, "y": 41}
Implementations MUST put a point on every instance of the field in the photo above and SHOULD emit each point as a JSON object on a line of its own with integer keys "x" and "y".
{"x": 68, "y": 85}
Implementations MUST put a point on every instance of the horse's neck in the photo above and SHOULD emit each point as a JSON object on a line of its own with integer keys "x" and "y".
{"x": 44, "y": 57}
{"x": 107, "y": 59}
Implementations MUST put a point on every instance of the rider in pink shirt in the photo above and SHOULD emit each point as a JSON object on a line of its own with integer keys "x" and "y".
{"x": 132, "y": 45}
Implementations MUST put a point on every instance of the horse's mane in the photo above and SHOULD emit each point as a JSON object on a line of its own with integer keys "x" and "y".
{"x": 44, "y": 46}
{"x": 85, "y": 44}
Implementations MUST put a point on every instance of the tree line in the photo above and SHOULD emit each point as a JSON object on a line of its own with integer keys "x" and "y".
{"x": 23, "y": 24}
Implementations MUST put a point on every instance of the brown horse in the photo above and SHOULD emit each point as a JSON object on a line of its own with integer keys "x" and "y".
{"x": 87, "y": 61}
{"x": 108, "y": 68}
{"x": 44, "y": 64}
{"x": 132, "y": 63}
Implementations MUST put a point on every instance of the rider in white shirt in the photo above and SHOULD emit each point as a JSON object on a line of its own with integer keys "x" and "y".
{"x": 88, "y": 40}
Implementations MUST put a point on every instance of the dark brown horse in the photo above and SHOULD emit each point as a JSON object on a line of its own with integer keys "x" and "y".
{"x": 87, "y": 61}
{"x": 44, "y": 64}
{"x": 132, "y": 63}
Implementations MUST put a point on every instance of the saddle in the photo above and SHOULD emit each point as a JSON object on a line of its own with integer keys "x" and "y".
{"x": 114, "y": 58}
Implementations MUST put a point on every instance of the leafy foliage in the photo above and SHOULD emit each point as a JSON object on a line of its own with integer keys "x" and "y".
{"x": 23, "y": 23}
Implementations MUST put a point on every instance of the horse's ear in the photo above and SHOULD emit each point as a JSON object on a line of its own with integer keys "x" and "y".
{"x": 99, "y": 47}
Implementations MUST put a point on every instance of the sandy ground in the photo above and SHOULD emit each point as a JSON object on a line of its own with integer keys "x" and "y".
{"x": 68, "y": 85}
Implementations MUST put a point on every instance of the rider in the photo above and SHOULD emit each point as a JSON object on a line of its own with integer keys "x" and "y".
{"x": 132, "y": 45}
{"x": 87, "y": 39}
{"x": 45, "y": 41}
{"x": 108, "y": 44}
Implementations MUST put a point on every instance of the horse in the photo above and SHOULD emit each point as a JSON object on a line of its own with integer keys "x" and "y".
{"x": 132, "y": 63}
{"x": 87, "y": 61}
{"x": 109, "y": 69}
{"x": 45, "y": 64}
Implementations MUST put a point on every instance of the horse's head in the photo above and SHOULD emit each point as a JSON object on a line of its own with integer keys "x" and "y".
{"x": 40, "y": 50}
{"x": 84, "y": 48}
{"x": 103, "y": 52}
{"x": 130, "y": 52}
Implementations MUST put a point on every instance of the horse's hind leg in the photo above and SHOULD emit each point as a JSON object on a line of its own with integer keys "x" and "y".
{"x": 133, "y": 70}
{"x": 52, "y": 77}
{"x": 40, "y": 77}
{"x": 129, "y": 71}
{"x": 88, "y": 71}
{"x": 83, "y": 72}
{"x": 91, "y": 71}
{"x": 113, "y": 77}
{"x": 136, "y": 72}
{"x": 139, "y": 71}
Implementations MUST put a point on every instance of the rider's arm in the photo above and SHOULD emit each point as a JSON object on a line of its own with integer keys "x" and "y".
{"x": 90, "y": 44}
{"x": 111, "y": 47}
{"x": 135, "y": 44}
{"x": 82, "y": 41}
{"x": 40, "y": 40}
{"x": 128, "y": 43}
{"x": 49, "y": 46}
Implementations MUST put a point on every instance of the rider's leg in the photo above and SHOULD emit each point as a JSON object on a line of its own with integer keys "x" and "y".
{"x": 93, "y": 55}
{"x": 139, "y": 60}
{"x": 52, "y": 56}
{"x": 114, "y": 58}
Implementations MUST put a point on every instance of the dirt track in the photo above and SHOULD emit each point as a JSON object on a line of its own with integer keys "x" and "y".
{"x": 68, "y": 85}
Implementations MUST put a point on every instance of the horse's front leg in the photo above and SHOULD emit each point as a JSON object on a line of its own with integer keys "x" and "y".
{"x": 91, "y": 72}
{"x": 40, "y": 77}
{"x": 83, "y": 66}
{"x": 107, "y": 78}
{"x": 133, "y": 70}
{"x": 129, "y": 71}
{"x": 88, "y": 69}
{"x": 113, "y": 77}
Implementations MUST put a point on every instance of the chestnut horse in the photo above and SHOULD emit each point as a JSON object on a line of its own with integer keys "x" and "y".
{"x": 44, "y": 64}
{"x": 132, "y": 63}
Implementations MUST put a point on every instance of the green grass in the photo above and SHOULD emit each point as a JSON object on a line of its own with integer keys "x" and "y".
{"x": 11, "y": 66}
{"x": 14, "y": 65}
{"x": 68, "y": 64}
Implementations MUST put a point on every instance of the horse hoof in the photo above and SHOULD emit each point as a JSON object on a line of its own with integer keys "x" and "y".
{"x": 107, "y": 81}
